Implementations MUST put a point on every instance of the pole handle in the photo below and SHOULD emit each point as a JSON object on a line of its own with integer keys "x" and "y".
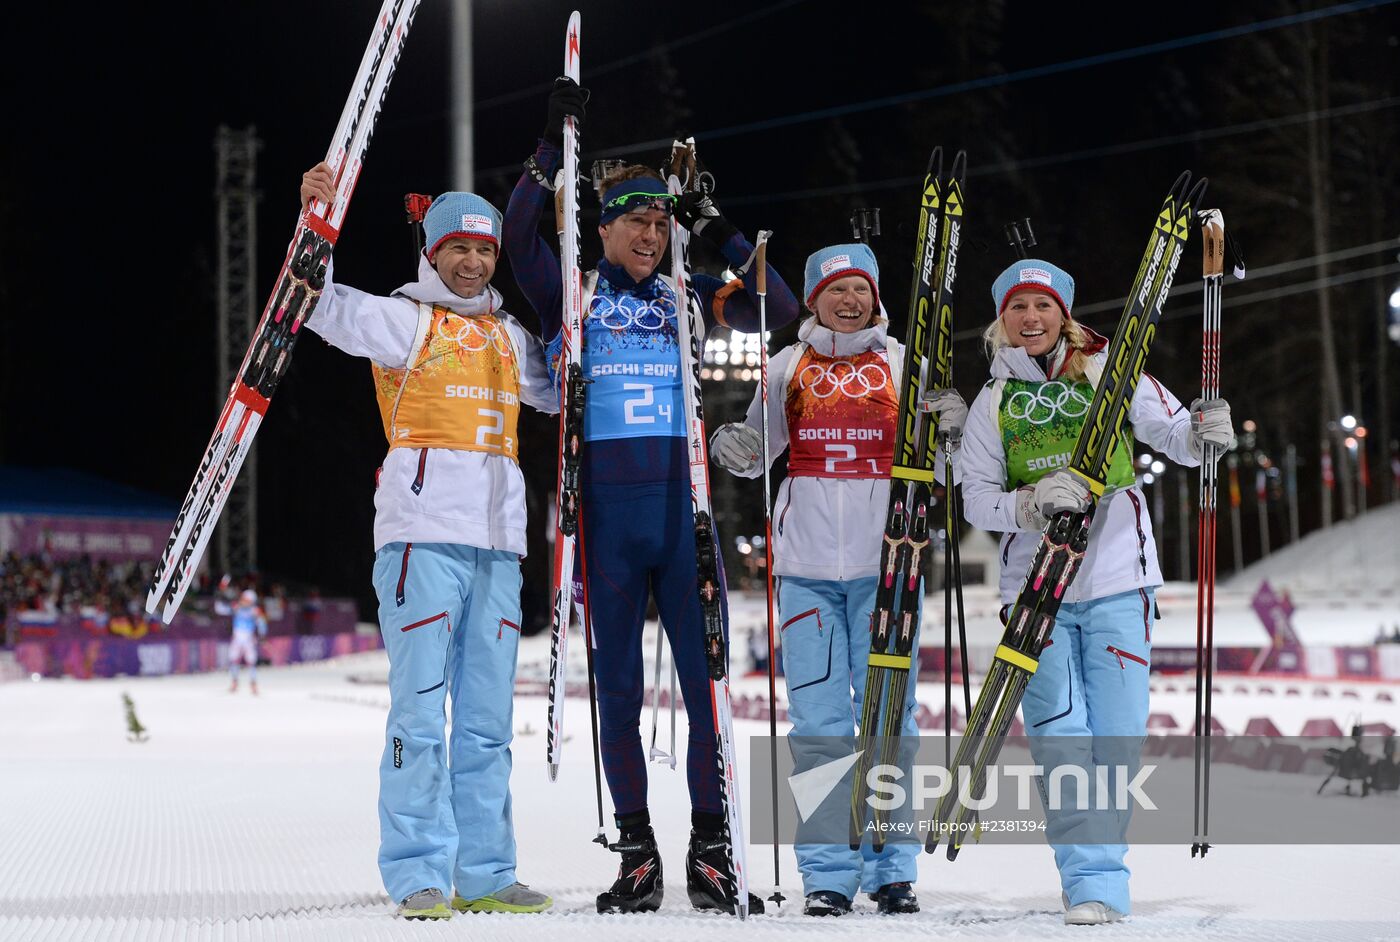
{"x": 1212, "y": 243}
{"x": 416, "y": 207}
{"x": 761, "y": 263}
{"x": 1020, "y": 236}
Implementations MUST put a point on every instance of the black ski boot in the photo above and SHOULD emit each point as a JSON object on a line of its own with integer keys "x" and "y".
{"x": 826, "y": 903}
{"x": 707, "y": 877}
{"x": 638, "y": 887}
{"x": 895, "y": 899}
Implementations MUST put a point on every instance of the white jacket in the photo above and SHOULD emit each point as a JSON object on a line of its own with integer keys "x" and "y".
{"x": 823, "y": 528}
{"x": 468, "y": 497}
{"x": 1122, "y": 554}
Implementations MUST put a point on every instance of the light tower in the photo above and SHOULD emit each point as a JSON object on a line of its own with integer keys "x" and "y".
{"x": 235, "y": 540}
{"x": 463, "y": 145}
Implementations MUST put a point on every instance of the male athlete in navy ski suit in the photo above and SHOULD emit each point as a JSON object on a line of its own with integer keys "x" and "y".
{"x": 638, "y": 524}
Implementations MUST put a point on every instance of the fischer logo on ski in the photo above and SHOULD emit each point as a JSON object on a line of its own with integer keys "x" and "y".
{"x": 906, "y": 540}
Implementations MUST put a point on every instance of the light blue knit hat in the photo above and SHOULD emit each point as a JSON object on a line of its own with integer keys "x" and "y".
{"x": 837, "y": 261}
{"x": 460, "y": 215}
{"x": 1033, "y": 273}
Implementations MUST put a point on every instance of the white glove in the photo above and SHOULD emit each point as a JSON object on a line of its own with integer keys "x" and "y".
{"x": 1057, "y": 491}
{"x": 736, "y": 447}
{"x": 1210, "y": 424}
{"x": 951, "y": 411}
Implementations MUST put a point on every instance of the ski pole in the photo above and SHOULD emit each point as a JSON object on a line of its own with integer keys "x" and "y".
{"x": 673, "y": 712}
{"x": 1020, "y": 236}
{"x": 953, "y": 590}
{"x": 602, "y": 836}
{"x": 416, "y": 206}
{"x": 1212, "y": 231}
{"x": 948, "y": 524}
{"x": 865, "y": 222}
{"x": 761, "y": 275}
{"x": 655, "y": 754}
{"x": 955, "y": 536}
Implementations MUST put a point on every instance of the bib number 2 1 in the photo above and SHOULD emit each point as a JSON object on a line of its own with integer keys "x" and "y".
{"x": 845, "y": 454}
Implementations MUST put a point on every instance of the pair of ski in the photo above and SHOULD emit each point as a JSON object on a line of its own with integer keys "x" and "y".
{"x": 906, "y": 547}
{"x": 1065, "y": 537}
{"x": 568, "y": 509}
{"x": 299, "y": 285}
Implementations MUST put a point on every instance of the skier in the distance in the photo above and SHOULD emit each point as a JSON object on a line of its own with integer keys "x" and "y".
{"x": 639, "y": 528}
{"x": 450, "y": 371}
{"x": 841, "y": 377}
{"x": 249, "y": 624}
{"x": 1087, "y": 702}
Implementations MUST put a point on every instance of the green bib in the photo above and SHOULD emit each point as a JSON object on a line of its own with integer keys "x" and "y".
{"x": 1040, "y": 423}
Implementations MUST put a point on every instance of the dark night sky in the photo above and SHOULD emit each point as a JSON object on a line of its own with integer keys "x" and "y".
{"x": 107, "y": 208}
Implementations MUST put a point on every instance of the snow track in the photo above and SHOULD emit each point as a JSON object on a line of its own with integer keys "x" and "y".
{"x": 246, "y": 819}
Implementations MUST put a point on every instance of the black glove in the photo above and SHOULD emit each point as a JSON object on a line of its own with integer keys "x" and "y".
{"x": 566, "y": 100}
{"x": 698, "y": 213}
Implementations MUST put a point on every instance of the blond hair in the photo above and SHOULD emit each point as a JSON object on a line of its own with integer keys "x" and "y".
{"x": 1076, "y": 363}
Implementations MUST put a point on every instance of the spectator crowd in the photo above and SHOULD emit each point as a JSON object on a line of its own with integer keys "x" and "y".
{"x": 110, "y": 596}
{"x": 38, "y": 586}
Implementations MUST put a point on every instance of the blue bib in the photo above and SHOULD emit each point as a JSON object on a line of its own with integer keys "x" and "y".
{"x": 631, "y": 354}
{"x": 245, "y": 619}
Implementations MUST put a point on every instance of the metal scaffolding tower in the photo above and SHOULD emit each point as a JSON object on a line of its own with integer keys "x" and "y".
{"x": 236, "y": 539}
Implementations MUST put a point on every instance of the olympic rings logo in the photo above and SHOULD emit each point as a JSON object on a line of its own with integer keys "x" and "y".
{"x": 842, "y": 376}
{"x": 644, "y": 315}
{"x": 472, "y": 337}
{"x": 1051, "y": 399}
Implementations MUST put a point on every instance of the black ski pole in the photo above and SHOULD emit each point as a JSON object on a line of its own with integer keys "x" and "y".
{"x": 602, "y": 836}
{"x": 761, "y": 274}
{"x": 1020, "y": 236}
{"x": 865, "y": 223}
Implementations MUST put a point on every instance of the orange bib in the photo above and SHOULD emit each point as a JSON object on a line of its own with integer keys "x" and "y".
{"x": 461, "y": 390}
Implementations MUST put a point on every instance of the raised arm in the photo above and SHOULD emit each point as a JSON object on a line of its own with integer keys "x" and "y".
{"x": 364, "y": 324}
{"x": 532, "y": 261}
{"x": 735, "y": 304}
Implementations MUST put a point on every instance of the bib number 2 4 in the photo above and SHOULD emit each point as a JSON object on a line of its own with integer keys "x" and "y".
{"x": 647, "y": 400}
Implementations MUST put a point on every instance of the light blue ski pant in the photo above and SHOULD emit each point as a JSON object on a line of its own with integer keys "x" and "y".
{"x": 1091, "y": 682}
{"x": 826, "y": 647}
{"x": 450, "y": 617}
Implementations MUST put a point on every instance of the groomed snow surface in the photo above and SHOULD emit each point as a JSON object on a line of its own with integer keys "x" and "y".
{"x": 247, "y": 818}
